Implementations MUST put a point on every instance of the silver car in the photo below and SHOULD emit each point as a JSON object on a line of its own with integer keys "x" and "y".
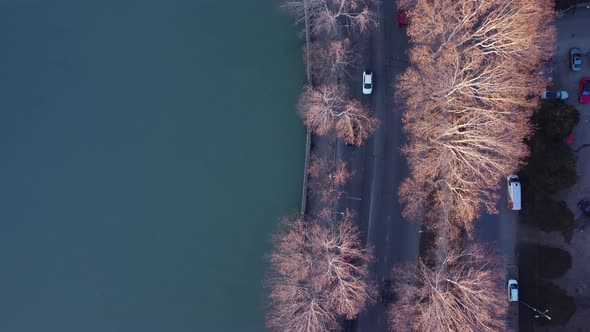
{"x": 575, "y": 59}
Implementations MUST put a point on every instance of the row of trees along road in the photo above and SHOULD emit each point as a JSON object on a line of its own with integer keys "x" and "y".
{"x": 325, "y": 104}
{"x": 468, "y": 93}
{"x": 319, "y": 274}
{"x": 319, "y": 267}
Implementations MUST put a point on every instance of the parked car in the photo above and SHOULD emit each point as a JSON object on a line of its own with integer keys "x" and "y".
{"x": 575, "y": 59}
{"x": 402, "y": 18}
{"x": 584, "y": 205}
{"x": 367, "y": 82}
{"x": 554, "y": 95}
{"x": 585, "y": 90}
{"x": 513, "y": 290}
{"x": 513, "y": 184}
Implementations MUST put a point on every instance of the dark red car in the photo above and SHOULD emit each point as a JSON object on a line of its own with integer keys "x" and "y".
{"x": 585, "y": 90}
{"x": 402, "y": 19}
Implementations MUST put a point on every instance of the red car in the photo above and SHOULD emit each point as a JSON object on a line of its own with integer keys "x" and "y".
{"x": 585, "y": 90}
{"x": 402, "y": 19}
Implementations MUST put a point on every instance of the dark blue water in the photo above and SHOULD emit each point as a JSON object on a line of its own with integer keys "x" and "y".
{"x": 146, "y": 151}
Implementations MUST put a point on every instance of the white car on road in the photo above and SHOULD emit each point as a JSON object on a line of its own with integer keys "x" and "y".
{"x": 513, "y": 290}
{"x": 367, "y": 82}
{"x": 513, "y": 185}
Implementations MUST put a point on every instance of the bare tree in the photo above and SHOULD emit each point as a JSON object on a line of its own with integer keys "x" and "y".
{"x": 327, "y": 16}
{"x": 319, "y": 273}
{"x": 330, "y": 59}
{"x": 326, "y": 109}
{"x": 320, "y": 106}
{"x": 295, "y": 307}
{"x": 476, "y": 63}
{"x": 495, "y": 27}
{"x": 344, "y": 267}
{"x": 465, "y": 135}
{"x": 462, "y": 292}
{"x": 327, "y": 178}
{"x": 295, "y": 304}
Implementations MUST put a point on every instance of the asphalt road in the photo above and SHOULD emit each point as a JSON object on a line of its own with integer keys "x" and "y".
{"x": 500, "y": 232}
{"x": 379, "y": 165}
{"x": 380, "y": 168}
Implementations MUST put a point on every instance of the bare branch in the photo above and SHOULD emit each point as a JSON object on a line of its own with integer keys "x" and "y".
{"x": 319, "y": 274}
{"x": 476, "y": 63}
{"x": 463, "y": 292}
{"x": 327, "y": 179}
{"x": 328, "y": 16}
{"x": 325, "y": 109}
{"x": 331, "y": 59}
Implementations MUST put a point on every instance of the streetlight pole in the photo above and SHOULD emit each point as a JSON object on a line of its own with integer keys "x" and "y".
{"x": 538, "y": 312}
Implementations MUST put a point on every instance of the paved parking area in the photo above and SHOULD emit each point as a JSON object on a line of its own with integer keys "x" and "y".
{"x": 572, "y": 31}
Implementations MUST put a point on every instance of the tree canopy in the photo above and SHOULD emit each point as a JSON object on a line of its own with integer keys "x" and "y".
{"x": 553, "y": 262}
{"x": 552, "y": 216}
{"x": 555, "y": 120}
{"x": 552, "y": 169}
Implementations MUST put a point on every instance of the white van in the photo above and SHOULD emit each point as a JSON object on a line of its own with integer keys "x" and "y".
{"x": 513, "y": 185}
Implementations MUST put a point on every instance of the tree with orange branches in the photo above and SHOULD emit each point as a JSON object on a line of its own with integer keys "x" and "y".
{"x": 464, "y": 291}
{"x": 327, "y": 178}
{"x": 319, "y": 273}
{"x": 327, "y": 16}
{"x": 467, "y": 118}
{"x": 330, "y": 59}
{"x": 327, "y": 109}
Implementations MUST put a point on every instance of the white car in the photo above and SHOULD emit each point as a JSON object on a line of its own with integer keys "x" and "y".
{"x": 367, "y": 82}
{"x": 554, "y": 95}
{"x": 513, "y": 290}
{"x": 513, "y": 185}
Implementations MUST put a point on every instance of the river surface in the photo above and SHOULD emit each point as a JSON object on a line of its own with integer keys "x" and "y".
{"x": 147, "y": 149}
